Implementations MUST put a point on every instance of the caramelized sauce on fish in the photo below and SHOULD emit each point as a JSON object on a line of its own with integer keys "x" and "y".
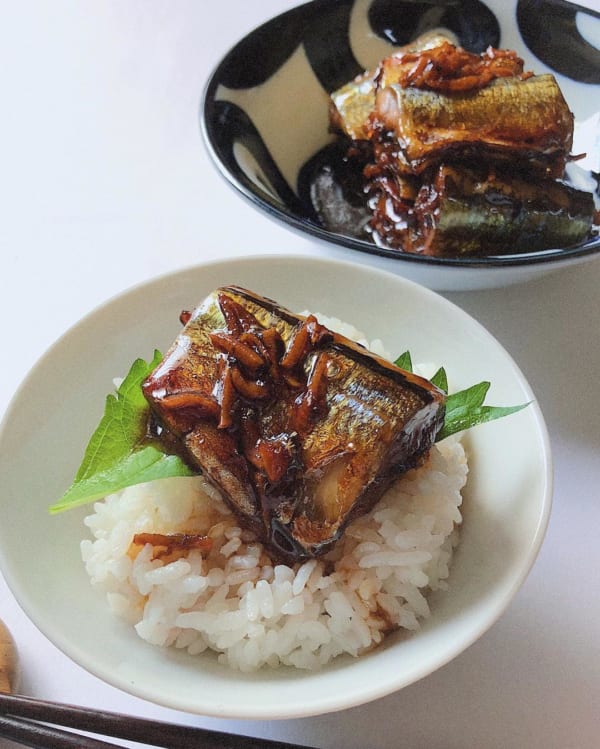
{"x": 301, "y": 429}
{"x": 475, "y": 131}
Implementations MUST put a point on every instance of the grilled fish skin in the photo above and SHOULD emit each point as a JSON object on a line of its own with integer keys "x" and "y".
{"x": 462, "y": 211}
{"x": 301, "y": 438}
{"x": 468, "y": 211}
{"x": 525, "y": 123}
{"x": 352, "y": 105}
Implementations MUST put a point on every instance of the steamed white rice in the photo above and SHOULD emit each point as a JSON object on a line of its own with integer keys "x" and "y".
{"x": 254, "y": 612}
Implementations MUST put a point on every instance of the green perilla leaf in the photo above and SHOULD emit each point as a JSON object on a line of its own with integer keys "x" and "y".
{"x": 119, "y": 453}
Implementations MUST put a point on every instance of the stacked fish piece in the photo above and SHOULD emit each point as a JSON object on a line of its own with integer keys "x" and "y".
{"x": 466, "y": 153}
{"x": 300, "y": 429}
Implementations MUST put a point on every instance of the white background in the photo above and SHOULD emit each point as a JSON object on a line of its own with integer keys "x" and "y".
{"x": 105, "y": 182}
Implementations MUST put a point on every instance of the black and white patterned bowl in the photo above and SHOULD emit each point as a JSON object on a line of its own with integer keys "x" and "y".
{"x": 265, "y": 111}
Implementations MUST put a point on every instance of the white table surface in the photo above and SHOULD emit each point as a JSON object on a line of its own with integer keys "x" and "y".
{"x": 105, "y": 182}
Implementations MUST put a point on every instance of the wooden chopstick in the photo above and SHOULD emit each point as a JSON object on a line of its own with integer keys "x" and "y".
{"x": 41, "y": 736}
{"x": 117, "y": 725}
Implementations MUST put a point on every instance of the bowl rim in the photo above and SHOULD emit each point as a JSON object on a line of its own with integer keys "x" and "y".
{"x": 237, "y": 179}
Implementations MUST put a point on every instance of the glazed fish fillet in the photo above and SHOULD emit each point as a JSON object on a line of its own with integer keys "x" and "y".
{"x": 510, "y": 120}
{"x": 301, "y": 429}
{"x": 353, "y": 104}
{"x": 464, "y": 211}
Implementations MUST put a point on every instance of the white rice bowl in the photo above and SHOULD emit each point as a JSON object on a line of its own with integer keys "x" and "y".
{"x": 507, "y": 499}
{"x": 256, "y": 613}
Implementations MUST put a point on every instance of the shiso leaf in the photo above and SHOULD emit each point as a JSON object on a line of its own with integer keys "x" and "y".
{"x": 404, "y": 361}
{"x": 440, "y": 379}
{"x": 465, "y": 409}
{"x": 119, "y": 453}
